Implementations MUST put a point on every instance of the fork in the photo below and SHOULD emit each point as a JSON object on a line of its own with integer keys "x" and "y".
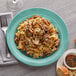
{"x": 6, "y": 56}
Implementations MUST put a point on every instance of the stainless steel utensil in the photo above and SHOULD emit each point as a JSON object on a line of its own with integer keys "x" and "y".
{"x": 6, "y": 58}
{"x": 5, "y": 53}
{"x": 4, "y": 28}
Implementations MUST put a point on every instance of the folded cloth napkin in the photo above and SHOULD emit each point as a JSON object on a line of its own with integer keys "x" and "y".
{"x": 10, "y": 60}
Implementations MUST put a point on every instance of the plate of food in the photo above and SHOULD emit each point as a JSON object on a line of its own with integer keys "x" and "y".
{"x": 66, "y": 65}
{"x": 37, "y": 37}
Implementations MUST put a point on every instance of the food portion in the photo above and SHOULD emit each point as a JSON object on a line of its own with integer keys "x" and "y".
{"x": 71, "y": 60}
{"x": 75, "y": 40}
{"x": 73, "y": 73}
{"x": 37, "y": 36}
{"x": 63, "y": 71}
{"x": 66, "y": 65}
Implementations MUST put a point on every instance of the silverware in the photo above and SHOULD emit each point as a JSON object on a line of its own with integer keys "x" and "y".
{"x": 4, "y": 28}
{"x": 6, "y": 56}
{"x": 2, "y": 45}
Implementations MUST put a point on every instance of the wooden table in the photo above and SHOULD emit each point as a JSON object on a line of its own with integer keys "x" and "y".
{"x": 67, "y": 10}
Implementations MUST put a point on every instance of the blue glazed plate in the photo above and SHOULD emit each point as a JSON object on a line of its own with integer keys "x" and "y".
{"x": 56, "y": 21}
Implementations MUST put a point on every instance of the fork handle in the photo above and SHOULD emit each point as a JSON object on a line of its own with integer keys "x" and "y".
{"x": 2, "y": 45}
{"x": 9, "y": 58}
{"x": 8, "y": 55}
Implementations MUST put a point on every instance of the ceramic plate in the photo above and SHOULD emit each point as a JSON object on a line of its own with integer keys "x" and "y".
{"x": 56, "y": 21}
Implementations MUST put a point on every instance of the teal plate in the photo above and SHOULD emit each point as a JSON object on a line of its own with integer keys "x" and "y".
{"x": 56, "y": 21}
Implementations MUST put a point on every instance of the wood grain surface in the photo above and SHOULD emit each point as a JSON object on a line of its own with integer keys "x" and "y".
{"x": 64, "y": 8}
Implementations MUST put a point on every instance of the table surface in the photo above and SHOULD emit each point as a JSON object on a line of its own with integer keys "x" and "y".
{"x": 67, "y": 10}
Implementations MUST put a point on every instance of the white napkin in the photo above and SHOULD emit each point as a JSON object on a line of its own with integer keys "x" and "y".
{"x": 10, "y": 60}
